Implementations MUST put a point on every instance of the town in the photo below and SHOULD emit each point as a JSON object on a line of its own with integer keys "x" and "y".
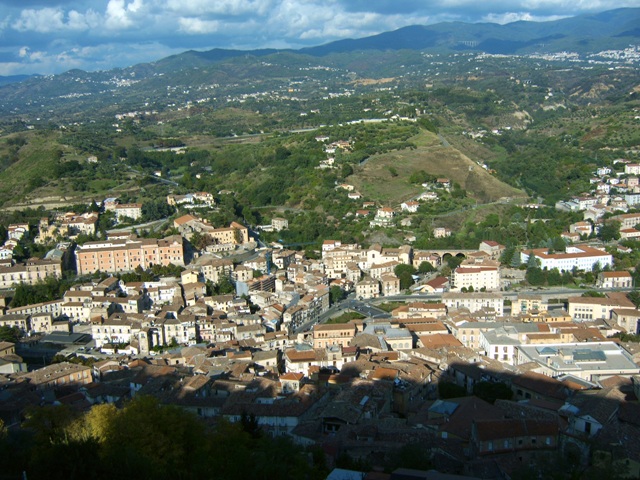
{"x": 359, "y": 347}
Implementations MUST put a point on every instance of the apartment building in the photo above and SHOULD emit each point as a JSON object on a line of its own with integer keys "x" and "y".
{"x": 614, "y": 280}
{"x": 476, "y": 277}
{"x": 581, "y": 257}
{"x": 128, "y": 210}
{"x": 326, "y": 335}
{"x": 474, "y": 301}
{"x": 126, "y": 255}
{"x": 591, "y": 308}
{"x": 32, "y": 271}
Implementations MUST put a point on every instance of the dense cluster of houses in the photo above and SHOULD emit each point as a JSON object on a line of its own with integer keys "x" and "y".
{"x": 361, "y": 387}
{"x": 366, "y": 386}
{"x": 612, "y": 192}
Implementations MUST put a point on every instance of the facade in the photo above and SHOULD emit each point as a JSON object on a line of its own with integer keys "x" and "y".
{"x": 627, "y": 220}
{"x": 474, "y": 301}
{"x": 31, "y": 272}
{"x": 126, "y": 255}
{"x": 326, "y": 335}
{"x": 476, "y": 277}
{"x": 591, "y": 308}
{"x": 626, "y": 318}
{"x": 128, "y": 210}
{"x": 367, "y": 288}
{"x": 528, "y": 304}
{"x": 580, "y": 257}
{"x": 614, "y": 280}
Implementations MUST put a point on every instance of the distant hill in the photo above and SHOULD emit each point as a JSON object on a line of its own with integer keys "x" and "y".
{"x": 77, "y": 91}
{"x": 13, "y": 79}
{"x": 583, "y": 34}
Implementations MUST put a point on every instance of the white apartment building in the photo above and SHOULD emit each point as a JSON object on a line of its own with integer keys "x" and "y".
{"x": 581, "y": 257}
{"x": 478, "y": 277}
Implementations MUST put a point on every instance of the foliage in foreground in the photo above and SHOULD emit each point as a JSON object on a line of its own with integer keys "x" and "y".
{"x": 147, "y": 440}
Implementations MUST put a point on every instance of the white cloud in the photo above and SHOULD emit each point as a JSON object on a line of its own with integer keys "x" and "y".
{"x": 51, "y": 20}
{"x": 195, "y": 26}
{"x": 121, "y": 15}
{"x": 228, "y": 8}
{"x": 46, "y": 20}
{"x": 510, "y": 17}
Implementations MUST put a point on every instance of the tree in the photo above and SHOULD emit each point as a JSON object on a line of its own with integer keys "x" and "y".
{"x": 426, "y": 267}
{"x": 336, "y": 294}
{"x": 535, "y": 276}
{"x": 554, "y": 277}
{"x": 346, "y": 170}
{"x": 609, "y": 231}
{"x": 249, "y": 424}
{"x": 405, "y": 273}
{"x": 225, "y": 286}
{"x": 634, "y": 296}
{"x": 10, "y": 334}
{"x": 508, "y": 256}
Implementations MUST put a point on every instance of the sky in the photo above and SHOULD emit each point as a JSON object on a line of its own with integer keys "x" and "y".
{"x": 53, "y": 36}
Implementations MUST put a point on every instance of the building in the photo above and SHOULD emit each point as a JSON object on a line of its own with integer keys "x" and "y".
{"x": 491, "y": 248}
{"x": 474, "y": 301}
{"x": 126, "y": 255}
{"x": 278, "y": 224}
{"x": 626, "y": 318}
{"x": 476, "y": 278}
{"x": 128, "y": 210}
{"x": 326, "y": 335}
{"x": 627, "y": 220}
{"x": 367, "y": 288}
{"x": 31, "y": 272}
{"x": 85, "y": 223}
{"x": 59, "y": 375}
{"x": 591, "y": 308}
{"x": 410, "y": 206}
{"x": 390, "y": 285}
{"x": 588, "y": 361}
{"x": 614, "y": 280}
{"x": 441, "y": 232}
{"x": 580, "y": 257}
{"x": 528, "y": 304}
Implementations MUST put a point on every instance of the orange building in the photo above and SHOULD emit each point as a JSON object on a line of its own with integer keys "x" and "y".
{"x": 126, "y": 255}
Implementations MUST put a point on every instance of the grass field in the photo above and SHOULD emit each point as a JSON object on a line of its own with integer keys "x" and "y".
{"x": 374, "y": 179}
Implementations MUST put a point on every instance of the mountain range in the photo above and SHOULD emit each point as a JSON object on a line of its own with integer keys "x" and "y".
{"x": 587, "y": 33}
{"x": 374, "y": 56}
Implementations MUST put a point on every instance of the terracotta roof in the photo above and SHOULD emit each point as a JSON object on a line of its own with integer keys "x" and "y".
{"x": 510, "y": 428}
